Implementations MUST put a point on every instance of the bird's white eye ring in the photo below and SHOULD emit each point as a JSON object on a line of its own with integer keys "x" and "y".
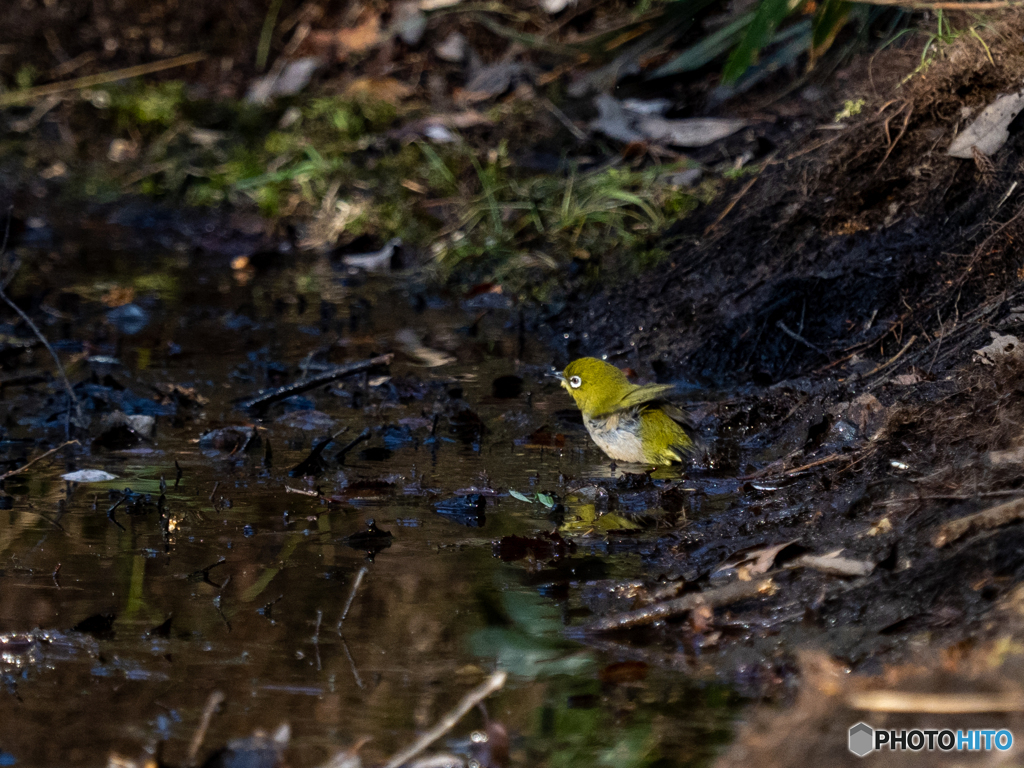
{"x": 575, "y": 382}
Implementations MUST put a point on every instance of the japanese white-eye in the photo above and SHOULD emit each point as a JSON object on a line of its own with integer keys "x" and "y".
{"x": 629, "y": 422}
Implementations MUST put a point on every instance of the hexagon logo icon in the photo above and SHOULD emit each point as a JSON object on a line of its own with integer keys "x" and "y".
{"x": 862, "y": 739}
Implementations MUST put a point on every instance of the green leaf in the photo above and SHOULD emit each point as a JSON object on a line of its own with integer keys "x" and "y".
{"x": 545, "y": 499}
{"x": 767, "y": 17}
{"x": 520, "y": 496}
{"x": 438, "y": 165}
{"x": 707, "y": 50}
{"x": 792, "y": 42}
{"x": 828, "y": 20}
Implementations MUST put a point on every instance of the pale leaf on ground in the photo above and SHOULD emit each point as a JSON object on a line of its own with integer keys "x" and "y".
{"x": 1003, "y": 347}
{"x": 555, "y": 6}
{"x": 753, "y": 560}
{"x": 376, "y": 261}
{"x": 88, "y": 476}
{"x": 991, "y": 128}
{"x": 453, "y": 49}
{"x": 690, "y": 131}
{"x": 614, "y": 121}
{"x": 386, "y": 89}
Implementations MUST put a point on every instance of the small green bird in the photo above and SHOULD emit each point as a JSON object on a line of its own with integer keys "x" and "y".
{"x": 629, "y": 422}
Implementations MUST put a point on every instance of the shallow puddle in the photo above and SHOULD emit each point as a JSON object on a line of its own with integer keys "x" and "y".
{"x": 117, "y": 625}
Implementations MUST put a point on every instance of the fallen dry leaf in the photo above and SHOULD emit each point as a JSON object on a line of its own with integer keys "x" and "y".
{"x": 380, "y": 88}
{"x": 118, "y": 296}
{"x": 689, "y": 132}
{"x": 836, "y": 566}
{"x": 753, "y": 561}
{"x": 990, "y": 130}
{"x": 1002, "y": 347}
{"x": 993, "y": 517}
{"x": 907, "y": 379}
{"x": 344, "y": 42}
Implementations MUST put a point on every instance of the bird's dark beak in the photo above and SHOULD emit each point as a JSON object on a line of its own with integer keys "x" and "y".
{"x": 557, "y": 375}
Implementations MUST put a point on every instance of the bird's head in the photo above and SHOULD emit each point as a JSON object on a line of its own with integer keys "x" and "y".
{"x": 594, "y": 384}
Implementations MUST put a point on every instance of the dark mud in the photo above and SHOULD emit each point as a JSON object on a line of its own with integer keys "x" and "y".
{"x": 852, "y": 239}
{"x": 839, "y": 305}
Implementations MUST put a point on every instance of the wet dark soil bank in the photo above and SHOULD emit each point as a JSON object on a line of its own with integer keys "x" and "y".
{"x": 840, "y": 302}
{"x": 853, "y": 240}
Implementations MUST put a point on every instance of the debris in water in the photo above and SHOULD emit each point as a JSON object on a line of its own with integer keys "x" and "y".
{"x": 464, "y": 510}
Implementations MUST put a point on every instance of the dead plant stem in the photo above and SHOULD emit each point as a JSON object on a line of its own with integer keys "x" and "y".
{"x": 28, "y": 464}
{"x": 214, "y": 700}
{"x": 352, "y": 595}
{"x": 13, "y": 98}
{"x": 950, "y": 497}
{"x": 449, "y": 721}
{"x": 971, "y": 5}
{"x": 893, "y": 359}
{"x": 739, "y": 196}
{"x": 60, "y": 368}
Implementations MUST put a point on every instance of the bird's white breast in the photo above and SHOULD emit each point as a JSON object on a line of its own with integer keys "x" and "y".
{"x": 617, "y": 435}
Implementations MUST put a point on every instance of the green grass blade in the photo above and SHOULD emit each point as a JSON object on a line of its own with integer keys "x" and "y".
{"x": 707, "y": 50}
{"x": 632, "y": 199}
{"x": 438, "y": 165}
{"x": 769, "y": 14}
{"x": 828, "y": 20}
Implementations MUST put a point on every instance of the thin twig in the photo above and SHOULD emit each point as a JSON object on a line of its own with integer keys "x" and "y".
{"x": 797, "y": 337}
{"x": 31, "y": 94}
{"x": 712, "y": 598}
{"x": 53, "y": 354}
{"x": 739, "y": 195}
{"x": 769, "y": 471}
{"x": 980, "y": 250}
{"x": 25, "y": 466}
{"x": 316, "y": 637}
{"x": 892, "y": 360}
{"x": 268, "y": 397}
{"x": 352, "y": 663}
{"x": 289, "y": 489}
{"x": 352, "y": 596}
{"x": 949, "y": 497}
{"x": 894, "y": 142}
{"x": 563, "y": 119}
{"x": 971, "y": 5}
{"x": 36, "y": 331}
{"x": 215, "y": 700}
{"x": 818, "y": 463}
{"x": 935, "y": 703}
{"x": 449, "y": 721}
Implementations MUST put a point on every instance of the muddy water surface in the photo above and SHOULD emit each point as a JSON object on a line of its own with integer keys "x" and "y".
{"x": 117, "y": 627}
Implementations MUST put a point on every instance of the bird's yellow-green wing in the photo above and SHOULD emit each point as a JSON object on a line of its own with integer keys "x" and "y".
{"x": 665, "y": 440}
{"x": 642, "y": 395}
{"x": 678, "y": 415}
